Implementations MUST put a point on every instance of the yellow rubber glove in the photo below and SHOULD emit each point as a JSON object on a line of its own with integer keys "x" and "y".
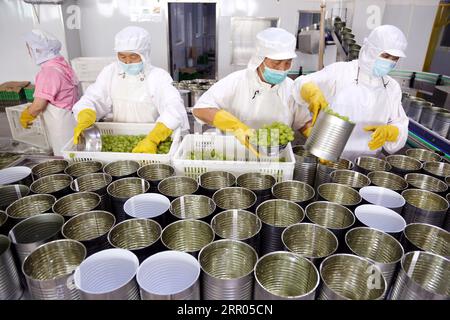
{"x": 26, "y": 119}
{"x": 382, "y": 134}
{"x": 86, "y": 118}
{"x": 150, "y": 143}
{"x": 224, "y": 121}
{"x": 312, "y": 94}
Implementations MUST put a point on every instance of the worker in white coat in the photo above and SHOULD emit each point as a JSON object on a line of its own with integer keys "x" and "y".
{"x": 258, "y": 95}
{"x": 362, "y": 90}
{"x": 134, "y": 91}
{"x": 56, "y": 90}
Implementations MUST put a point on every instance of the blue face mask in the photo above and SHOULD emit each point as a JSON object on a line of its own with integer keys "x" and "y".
{"x": 382, "y": 67}
{"x": 132, "y": 68}
{"x": 273, "y": 76}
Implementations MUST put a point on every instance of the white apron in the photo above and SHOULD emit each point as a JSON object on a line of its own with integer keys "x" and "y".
{"x": 131, "y": 100}
{"x": 365, "y": 106}
{"x": 59, "y": 125}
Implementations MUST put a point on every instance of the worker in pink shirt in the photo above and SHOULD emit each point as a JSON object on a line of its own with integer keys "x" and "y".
{"x": 56, "y": 90}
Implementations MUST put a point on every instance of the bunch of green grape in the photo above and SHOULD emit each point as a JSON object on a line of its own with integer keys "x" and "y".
{"x": 126, "y": 143}
{"x": 275, "y": 134}
{"x": 206, "y": 155}
{"x": 332, "y": 113}
{"x": 164, "y": 147}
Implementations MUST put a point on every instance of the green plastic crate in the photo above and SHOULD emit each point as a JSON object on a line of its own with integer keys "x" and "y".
{"x": 29, "y": 93}
{"x": 11, "y": 95}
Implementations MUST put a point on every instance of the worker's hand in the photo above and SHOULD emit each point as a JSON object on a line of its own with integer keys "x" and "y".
{"x": 306, "y": 130}
{"x": 312, "y": 94}
{"x": 26, "y": 118}
{"x": 150, "y": 143}
{"x": 224, "y": 121}
{"x": 382, "y": 134}
{"x": 86, "y": 118}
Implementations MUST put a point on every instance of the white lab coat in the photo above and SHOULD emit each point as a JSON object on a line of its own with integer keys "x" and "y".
{"x": 365, "y": 103}
{"x": 254, "y": 102}
{"x": 154, "y": 99}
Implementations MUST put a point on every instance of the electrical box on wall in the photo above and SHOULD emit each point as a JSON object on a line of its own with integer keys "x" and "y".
{"x": 44, "y": 1}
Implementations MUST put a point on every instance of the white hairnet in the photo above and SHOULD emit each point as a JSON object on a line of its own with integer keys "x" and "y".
{"x": 386, "y": 38}
{"x": 273, "y": 43}
{"x": 134, "y": 39}
{"x": 43, "y": 46}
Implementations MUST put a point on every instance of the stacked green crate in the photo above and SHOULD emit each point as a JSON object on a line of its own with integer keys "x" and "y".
{"x": 29, "y": 93}
{"x": 11, "y": 95}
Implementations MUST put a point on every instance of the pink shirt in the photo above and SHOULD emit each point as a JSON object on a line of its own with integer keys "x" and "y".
{"x": 57, "y": 83}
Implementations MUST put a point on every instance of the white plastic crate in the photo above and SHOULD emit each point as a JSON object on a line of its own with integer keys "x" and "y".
{"x": 36, "y": 135}
{"x": 88, "y": 68}
{"x": 243, "y": 160}
{"x": 114, "y": 128}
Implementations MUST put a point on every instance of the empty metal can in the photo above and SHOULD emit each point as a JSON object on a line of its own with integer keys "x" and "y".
{"x": 349, "y": 277}
{"x": 305, "y": 165}
{"x": 54, "y": 281}
{"x": 415, "y": 107}
{"x": 108, "y": 275}
{"x": 378, "y": 247}
{"x": 423, "y": 155}
{"x": 380, "y": 218}
{"x": 154, "y": 173}
{"x": 140, "y": 236}
{"x": 192, "y": 207}
{"x": 177, "y": 186}
{"x": 212, "y": 181}
{"x": 227, "y": 270}
{"x": 425, "y": 207}
{"x": 329, "y": 137}
{"x": 169, "y": 275}
{"x": 425, "y": 237}
{"x": 91, "y": 229}
{"x": 333, "y": 216}
{"x": 383, "y": 197}
{"x": 340, "y": 194}
{"x": 95, "y": 182}
{"x": 426, "y": 182}
{"x": 387, "y": 180}
{"x": 235, "y": 198}
{"x": 310, "y": 241}
{"x": 16, "y": 175}
{"x": 275, "y": 216}
{"x": 29, "y": 206}
{"x": 350, "y": 178}
{"x": 11, "y": 193}
{"x": 261, "y": 184}
{"x": 285, "y": 276}
{"x": 429, "y": 115}
{"x": 122, "y": 169}
{"x": 57, "y": 185}
{"x": 441, "y": 124}
{"x": 32, "y": 232}
{"x": 187, "y": 235}
{"x": 402, "y": 165}
{"x": 422, "y": 276}
{"x": 10, "y": 287}
{"x": 367, "y": 164}
{"x": 439, "y": 170}
{"x": 238, "y": 225}
{"x": 76, "y": 203}
{"x": 48, "y": 168}
{"x": 148, "y": 206}
{"x": 324, "y": 170}
{"x": 4, "y": 229}
{"x": 295, "y": 191}
{"x": 82, "y": 168}
{"x": 121, "y": 190}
